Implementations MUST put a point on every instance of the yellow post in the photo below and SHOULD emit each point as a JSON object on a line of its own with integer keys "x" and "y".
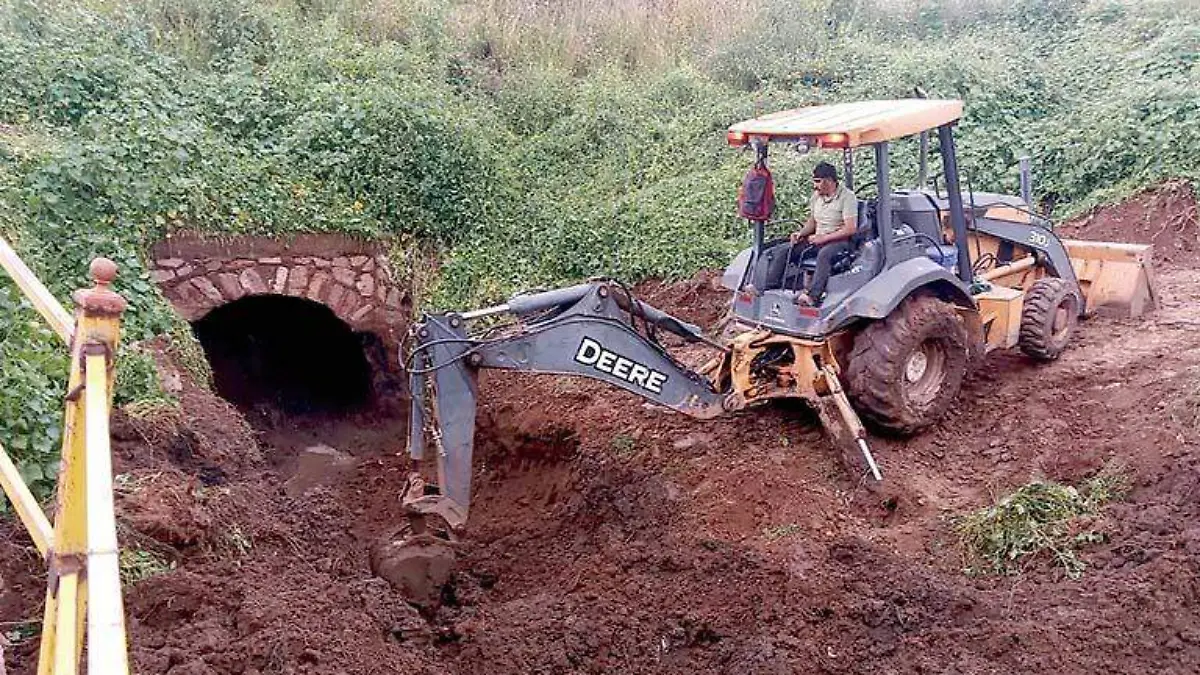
{"x": 25, "y": 505}
{"x": 66, "y": 660}
{"x": 84, "y": 526}
{"x": 43, "y": 301}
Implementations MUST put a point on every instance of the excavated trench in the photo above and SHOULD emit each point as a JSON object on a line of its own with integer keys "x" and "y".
{"x": 288, "y": 353}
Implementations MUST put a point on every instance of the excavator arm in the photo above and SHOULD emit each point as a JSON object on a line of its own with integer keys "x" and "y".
{"x": 590, "y": 330}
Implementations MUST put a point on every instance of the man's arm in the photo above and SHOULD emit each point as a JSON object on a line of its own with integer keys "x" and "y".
{"x": 810, "y": 226}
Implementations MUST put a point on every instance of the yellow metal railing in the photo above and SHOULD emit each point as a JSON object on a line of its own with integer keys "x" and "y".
{"x": 83, "y": 589}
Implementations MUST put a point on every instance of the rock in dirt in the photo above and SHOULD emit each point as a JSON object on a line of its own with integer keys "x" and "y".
{"x": 416, "y": 567}
{"x": 319, "y": 466}
{"x": 392, "y": 613}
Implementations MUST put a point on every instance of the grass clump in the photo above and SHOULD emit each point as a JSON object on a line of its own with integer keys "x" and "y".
{"x": 624, "y": 445}
{"x": 139, "y": 564}
{"x": 777, "y": 532}
{"x": 1040, "y": 517}
{"x": 20, "y": 631}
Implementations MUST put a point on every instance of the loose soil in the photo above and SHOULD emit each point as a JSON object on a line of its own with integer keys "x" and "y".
{"x": 607, "y": 536}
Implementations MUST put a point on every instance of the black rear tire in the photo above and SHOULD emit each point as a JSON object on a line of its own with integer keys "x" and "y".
{"x": 1048, "y": 318}
{"x": 906, "y": 370}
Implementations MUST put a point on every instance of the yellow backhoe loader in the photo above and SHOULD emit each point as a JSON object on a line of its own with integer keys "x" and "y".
{"x": 934, "y": 279}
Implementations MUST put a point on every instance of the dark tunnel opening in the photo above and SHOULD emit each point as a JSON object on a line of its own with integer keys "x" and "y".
{"x": 292, "y": 354}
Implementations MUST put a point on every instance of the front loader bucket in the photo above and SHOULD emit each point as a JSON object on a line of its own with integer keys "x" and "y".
{"x": 1115, "y": 278}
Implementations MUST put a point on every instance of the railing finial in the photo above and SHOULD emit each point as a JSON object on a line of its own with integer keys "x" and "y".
{"x": 101, "y": 299}
{"x": 103, "y": 271}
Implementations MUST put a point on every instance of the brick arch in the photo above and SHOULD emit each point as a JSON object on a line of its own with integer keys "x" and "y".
{"x": 350, "y": 276}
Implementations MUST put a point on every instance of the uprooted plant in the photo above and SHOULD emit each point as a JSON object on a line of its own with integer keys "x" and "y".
{"x": 1039, "y": 518}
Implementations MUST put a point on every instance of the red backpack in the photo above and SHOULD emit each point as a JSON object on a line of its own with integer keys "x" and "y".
{"x": 756, "y": 197}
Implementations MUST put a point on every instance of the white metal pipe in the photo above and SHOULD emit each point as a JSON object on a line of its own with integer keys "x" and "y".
{"x": 105, "y": 614}
{"x": 26, "y": 506}
{"x": 866, "y": 451}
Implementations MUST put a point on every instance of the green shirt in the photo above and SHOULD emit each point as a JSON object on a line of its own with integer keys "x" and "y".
{"x": 831, "y": 212}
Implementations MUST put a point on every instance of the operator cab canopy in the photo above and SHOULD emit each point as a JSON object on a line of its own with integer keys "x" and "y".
{"x": 847, "y": 125}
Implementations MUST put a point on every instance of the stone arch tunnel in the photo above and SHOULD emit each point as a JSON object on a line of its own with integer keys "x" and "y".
{"x": 307, "y": 323}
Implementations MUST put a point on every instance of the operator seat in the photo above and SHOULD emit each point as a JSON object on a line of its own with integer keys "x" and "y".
{"x": 864, "y": 232}
{"x": 776, "y": 270}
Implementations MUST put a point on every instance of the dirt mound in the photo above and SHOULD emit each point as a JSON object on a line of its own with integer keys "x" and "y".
{"x": 700, "y": 299}
{"x": 1165, "y": 216}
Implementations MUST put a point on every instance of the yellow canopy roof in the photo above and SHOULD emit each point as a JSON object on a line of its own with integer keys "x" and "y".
{"x": 862, "y": 123}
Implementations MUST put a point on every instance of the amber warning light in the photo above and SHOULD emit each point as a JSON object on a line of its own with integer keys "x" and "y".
{"x": 831, "y": 140}
{"x": 835, "y": 140}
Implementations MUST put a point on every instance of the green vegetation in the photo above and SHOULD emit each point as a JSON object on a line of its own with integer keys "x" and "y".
{"x": 624, "y": 445}
{"x": 516, "y": 143}
{"x": 138, "y": 564}
{"x": 1039, "y": 517}
{"x": 777, "y": 532}
{"x": 237, "y": 540}
{"x": 17, "y": 632}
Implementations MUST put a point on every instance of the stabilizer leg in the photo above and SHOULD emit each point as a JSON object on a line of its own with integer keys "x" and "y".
{"x": 842, "y": 422}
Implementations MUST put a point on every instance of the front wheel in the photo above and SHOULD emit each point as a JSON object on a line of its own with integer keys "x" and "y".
{"x": 906, "y": 370}
{"x": 1048, "y": 318}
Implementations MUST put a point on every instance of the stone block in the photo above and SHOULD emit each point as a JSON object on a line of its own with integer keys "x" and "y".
{"x": 347, "y": 304}
{"x": 382, "y": 268}
{"x": 161, "y": 276}
{"x": 230, "y": 285}
{"x": 393, "y": 299}
{"x": 334, "y": 299}
{"x": 184, "y": 271}
{"x": 297, "y": 280}
{"x": 187, "y": 299}
{"x": 270, "y": 261}
{"x": 344, "y": 275}
{"x": 320, "y": 262}
{"x": 362, "y": 312}
{"x": 315, "y": 286}
{"x": 170, "y": 263}
{"x": 359, "y": 260}
{"x": 341, "y": 261}
{"x": 252, "y": 282}
{"x": 240, "y": 264}
{"x": 205, "y": 287}
{"x": 280, "y": 283}
{"x": 365, "y": 285}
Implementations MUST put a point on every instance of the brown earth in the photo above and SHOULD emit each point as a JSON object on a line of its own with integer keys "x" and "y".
{"x": 1164, "y": 216}
{"x": 610, "y": 537}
